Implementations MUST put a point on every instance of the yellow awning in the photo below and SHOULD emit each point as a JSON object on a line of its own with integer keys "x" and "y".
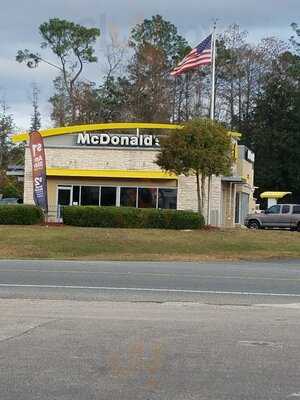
{"x": 274, "y": 195}
{"x": 110, "y": 173}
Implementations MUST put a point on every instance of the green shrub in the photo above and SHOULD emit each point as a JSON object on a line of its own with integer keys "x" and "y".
{"x": 20, "y": 214}
{"x": 122, "y": 217}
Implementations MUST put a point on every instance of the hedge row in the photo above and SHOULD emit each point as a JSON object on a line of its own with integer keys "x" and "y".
{"x": 20, "y": 214}
{"x": 122, "y": 217}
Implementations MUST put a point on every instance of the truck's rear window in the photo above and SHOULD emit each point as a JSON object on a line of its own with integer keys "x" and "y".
{"x": 296, "y": 210}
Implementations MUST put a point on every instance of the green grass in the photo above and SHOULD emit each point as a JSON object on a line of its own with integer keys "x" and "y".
{"x": 129, "y": 244}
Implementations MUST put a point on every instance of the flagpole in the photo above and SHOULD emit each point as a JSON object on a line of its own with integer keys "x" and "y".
{"x": 213, "y": 72}
{"x": 212, "y": 107}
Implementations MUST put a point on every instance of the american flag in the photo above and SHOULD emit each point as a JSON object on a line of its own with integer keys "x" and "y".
{"x": 200, "y": 55}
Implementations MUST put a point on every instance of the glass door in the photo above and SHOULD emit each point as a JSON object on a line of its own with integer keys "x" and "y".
{"x": 63, "y": 199}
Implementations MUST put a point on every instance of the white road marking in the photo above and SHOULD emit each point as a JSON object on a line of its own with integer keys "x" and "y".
{"x": 289, "y": 305}
{"x": 160, "y": 290}
{"x": 160, "y": 274}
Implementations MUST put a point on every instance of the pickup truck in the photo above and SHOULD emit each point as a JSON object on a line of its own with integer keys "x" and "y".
{"x": 277, "y": 216}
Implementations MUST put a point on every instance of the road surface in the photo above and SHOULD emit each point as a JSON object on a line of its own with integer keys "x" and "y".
{"x": 152, "y": 281}
{"x": 149, "y": 331}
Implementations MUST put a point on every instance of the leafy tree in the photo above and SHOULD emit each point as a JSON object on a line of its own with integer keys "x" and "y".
{"x": 240, "y": 71}
{"x": 106, "y": 103}
{"x": 9, "y": 186}
{"x": 294, "y": 41}
{"x": 275, "y": 133}
{"x": 157, "y": 48}
{"x": 160, "y": 34}
{"x": 202, "y": 148}
{"x": 149, "y": 95}
{"x": 61, "y": 106}
{"x": 6, "y": 126}
{"x": 113, "y": 99}
{"x": 72, "y": 44}
{"x": 9, "y": 154}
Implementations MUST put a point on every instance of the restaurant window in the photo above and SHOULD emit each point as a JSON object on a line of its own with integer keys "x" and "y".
{"x": 128, "y": 197}
{"x": 167, "y": 198}
{"x": 89, "y": 195}
{"x": 108, "y": 196}
{"x": 76, "y": 194}
{"x": 147, "y": 197}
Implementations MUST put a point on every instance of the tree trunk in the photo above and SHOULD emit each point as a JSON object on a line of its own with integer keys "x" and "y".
{"x": 202, "y": 191}
{"x": 73, "y": 104}
{"x": 231, "y": 104}
{"x": 240, "y": 104}
{"x": 199, "y": 194}
{"x": 208, "y": 199}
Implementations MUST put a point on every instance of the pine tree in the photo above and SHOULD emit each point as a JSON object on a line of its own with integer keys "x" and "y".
{"x": 36, "y": 116}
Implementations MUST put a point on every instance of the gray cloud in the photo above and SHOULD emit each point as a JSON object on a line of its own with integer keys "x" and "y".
{"x": 20, "y": 20}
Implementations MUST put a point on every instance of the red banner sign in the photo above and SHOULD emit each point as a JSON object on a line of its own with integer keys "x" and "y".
{"x": 39, "y": 176}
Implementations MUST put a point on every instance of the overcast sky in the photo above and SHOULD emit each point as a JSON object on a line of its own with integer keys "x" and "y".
{"x": 20, "y": 20}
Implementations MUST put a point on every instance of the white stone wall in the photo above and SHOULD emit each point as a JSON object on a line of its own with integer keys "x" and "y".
{"x": 187, "y": 193}
{"x": 28, "y": 185}
{"x": 88, "y": 158}
{"x": 187, "y": 196}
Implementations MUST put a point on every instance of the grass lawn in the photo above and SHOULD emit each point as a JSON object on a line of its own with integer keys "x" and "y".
{"x": 135, "y": 244}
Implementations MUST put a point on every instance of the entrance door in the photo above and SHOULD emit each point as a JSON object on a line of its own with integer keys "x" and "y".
{"x": 63, "y": 199}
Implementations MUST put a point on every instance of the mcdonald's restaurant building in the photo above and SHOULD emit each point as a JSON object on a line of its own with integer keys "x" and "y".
{"x": 114, "y": 165}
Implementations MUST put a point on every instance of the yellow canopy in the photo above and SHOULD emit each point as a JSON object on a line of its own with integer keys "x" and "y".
{"x": 274, "y": 195}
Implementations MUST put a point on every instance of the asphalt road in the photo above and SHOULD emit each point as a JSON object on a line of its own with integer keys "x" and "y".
{"x": 152, "y": 281}
{"x": 75, "y": 350}
{"x": 149, "y": 331}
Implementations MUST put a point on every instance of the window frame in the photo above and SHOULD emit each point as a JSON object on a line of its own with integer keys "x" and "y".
{"x": 99, "y": 194}
{"x": 156, "y": 200}
{"x": 136, "y": 195}
{"x": 165, "y": 188}
{"x": 100, "y": 198}
{"x": 118, "y": 193}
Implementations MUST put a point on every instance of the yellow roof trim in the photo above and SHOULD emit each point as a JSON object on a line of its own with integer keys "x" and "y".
{"x": 234, "y": 134}
{"x": 21, "y": 137}
{"x": 110, "y": 173}
{"x": 274, "y": 195}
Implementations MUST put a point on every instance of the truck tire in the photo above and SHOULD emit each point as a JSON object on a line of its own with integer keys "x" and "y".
{"x": 253, "y": 224}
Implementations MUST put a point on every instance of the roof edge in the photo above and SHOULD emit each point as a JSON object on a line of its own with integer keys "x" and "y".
{"x": 65, "y": 130}
{"x": 23, "y": 136}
